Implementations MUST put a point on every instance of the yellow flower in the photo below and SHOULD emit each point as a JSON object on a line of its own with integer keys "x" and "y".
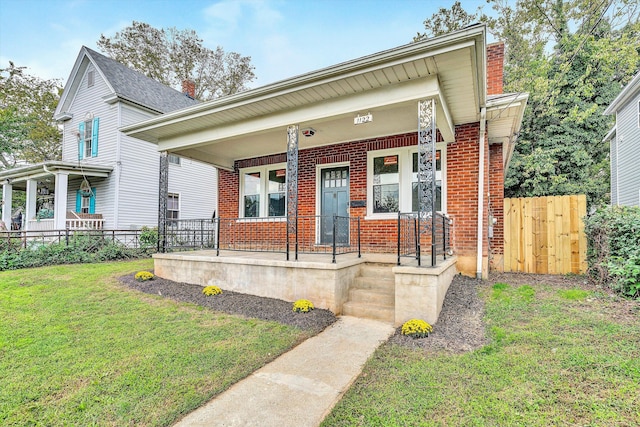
{"x": 416, "y": 328}
{"x": 212, "y": 290}
{"x": 143, "y": 276}
{"x": 302, "y": 306}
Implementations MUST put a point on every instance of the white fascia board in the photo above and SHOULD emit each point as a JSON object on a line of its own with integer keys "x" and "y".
{"x": 342, "y": 71}
{"x": 388, "y": 95}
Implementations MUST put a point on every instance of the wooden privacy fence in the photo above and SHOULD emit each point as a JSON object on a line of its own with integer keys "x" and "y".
{"x": 545, "y": 235}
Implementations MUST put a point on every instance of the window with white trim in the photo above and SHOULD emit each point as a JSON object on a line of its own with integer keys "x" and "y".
{"x": 392, "y": 181}
{"x": 174, "y": 159}
{"x": 263, "y": 191}
{"x": 173, "y": 206}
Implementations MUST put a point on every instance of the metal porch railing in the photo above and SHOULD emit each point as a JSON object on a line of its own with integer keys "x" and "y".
{"x": 412, "y": 244}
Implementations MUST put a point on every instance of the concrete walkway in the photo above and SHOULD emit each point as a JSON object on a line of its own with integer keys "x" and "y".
{"x": 300, "y": 387}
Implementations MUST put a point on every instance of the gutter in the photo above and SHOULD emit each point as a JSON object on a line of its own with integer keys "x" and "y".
{"x": 483, "y": 127}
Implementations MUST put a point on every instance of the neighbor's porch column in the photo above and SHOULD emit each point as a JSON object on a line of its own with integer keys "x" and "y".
{"x": 30, "y": 213}
{"x": 7, "y": 192}
{"x": 60, "y": 201}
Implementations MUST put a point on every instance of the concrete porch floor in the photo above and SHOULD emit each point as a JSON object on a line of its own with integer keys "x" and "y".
{"x": 418, "y": 292}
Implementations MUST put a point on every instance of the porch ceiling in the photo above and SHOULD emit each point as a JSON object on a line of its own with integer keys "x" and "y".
{"x": 388, "y": 85}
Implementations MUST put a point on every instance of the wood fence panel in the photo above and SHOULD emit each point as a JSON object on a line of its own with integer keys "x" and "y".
{"x": 545, "y": 235}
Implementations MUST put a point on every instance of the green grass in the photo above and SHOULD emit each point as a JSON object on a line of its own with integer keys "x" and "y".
{"x": 561, "y": 358}
{"x": 79, "y": 348}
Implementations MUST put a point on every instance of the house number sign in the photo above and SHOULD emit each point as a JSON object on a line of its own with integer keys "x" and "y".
{"x": 358, "y": 120}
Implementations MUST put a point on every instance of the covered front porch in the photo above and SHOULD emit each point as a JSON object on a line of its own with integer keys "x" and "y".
{"x": 46, "y": 187}
{"x": 370, "y": 286}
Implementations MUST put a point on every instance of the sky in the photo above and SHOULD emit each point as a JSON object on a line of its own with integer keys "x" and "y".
{"x": 284, "y": 38}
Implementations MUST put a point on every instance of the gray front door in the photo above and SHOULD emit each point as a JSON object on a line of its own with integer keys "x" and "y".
{"x": 335, "y": 201}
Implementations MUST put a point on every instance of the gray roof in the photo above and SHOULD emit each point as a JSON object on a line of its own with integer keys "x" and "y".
{"x": 138, "y": 88}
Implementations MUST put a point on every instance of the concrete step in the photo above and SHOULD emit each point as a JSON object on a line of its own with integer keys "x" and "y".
{"x": 369, "y": 282}
{"x": 383, "y": 313}
{"x": 377, "y": 270}
{"x": 373, "y": 296}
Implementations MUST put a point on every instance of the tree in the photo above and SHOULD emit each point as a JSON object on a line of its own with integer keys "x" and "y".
{"x": 28, "y": 132}
{"x": 445, "y": 21}
{"x": 572, "y": 57}
{"x": 172, "y": 56}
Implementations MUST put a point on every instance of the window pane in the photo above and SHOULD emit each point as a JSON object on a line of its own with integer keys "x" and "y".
{"x": 251, "y": 206}
{"x": 87, "y": 137}
{"x": 415, "y": 200}
{"x": 385, "y": 170}
{"x": 385, "y": 198}
{"x": 252, "y": 183}
{"x": 277, "y": 204}
{"x": 277, "y": 181}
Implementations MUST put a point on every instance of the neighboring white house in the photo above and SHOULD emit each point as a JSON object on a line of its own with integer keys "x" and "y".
{"x": 624, "y": 140}
{"x": 107, "y": 179}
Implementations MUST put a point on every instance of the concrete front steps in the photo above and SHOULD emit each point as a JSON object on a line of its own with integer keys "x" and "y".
{"x": 372, "y": 294}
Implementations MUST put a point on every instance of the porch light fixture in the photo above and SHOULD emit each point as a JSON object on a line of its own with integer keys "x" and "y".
{"x": 85, "y": 188}
{"x": 367, "y": 118}
{"x": 308, "y": 132}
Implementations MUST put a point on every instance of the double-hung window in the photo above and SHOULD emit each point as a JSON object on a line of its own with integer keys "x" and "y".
{"x": 263, "y": 191}
{"x": 392, "y": 181}
{"x": 88, "y": 138}
{"x": 173, "y": 206}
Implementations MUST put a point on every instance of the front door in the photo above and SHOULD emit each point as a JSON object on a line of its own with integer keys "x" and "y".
{"x": 334, "y": 201}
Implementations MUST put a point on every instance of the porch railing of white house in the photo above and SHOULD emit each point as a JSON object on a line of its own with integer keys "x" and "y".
{"x": 338, "y": 235}
{"x": 412, "y": 244}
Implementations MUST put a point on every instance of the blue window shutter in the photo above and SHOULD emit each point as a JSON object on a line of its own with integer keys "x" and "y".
{"x": 92, "y": 201}
{"x": 78, "y": 201}
{"x": 81, "y": 140}
{"x": 94, "y": 137}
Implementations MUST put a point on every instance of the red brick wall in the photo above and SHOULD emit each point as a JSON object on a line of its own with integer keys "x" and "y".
{"x": 496, "y": 206}
{"x": 495, "y": 68}
{"x": 379, "y": 235}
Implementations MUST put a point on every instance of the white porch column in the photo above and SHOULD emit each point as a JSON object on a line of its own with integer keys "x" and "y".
{"x": 60, "y": 202}
{"x": 32, "y": 188}
{"x": 7, "y": 193}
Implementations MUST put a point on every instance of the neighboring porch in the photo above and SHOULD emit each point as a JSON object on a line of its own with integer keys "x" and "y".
{"x": 47, "y": 189}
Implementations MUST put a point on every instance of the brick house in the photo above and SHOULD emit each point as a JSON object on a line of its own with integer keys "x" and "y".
{"x": 355, "y": 128}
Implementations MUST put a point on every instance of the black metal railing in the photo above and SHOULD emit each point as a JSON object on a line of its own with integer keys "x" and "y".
{"x": 190, "y": 233}
{"x": 88, "y": 239}
{"x": 335, "y": 235}
{"x": 412, "y": 243}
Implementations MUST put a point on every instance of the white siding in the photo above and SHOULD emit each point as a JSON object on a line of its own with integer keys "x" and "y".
{"x": 128, "y": 198}
{"x": 628, "y": 158}
{"x": 613, "y": 155}
{"x": 197, "y": 184}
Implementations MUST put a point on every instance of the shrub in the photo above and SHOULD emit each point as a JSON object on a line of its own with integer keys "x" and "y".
{"x": 211, "y": 290}
{"x": 613, "y": 236}
{"x": 303, "y": 306}
{"x": 416, "y": 328}
{"x": 143, "y": 276}
{"x": 149, "y": 238}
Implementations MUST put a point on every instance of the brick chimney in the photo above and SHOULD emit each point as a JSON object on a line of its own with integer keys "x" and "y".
{"x": 189, "y": 88}
{"x": 495, "y": 68}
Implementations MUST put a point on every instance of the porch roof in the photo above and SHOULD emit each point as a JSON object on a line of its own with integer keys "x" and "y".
{"x": 41, "y": 171}
{"x": 450, "y": 69}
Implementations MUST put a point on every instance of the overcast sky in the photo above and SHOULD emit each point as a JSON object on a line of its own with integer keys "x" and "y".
{"x": 283, "y": 37}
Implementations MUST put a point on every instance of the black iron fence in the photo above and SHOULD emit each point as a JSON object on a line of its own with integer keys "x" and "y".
{"x": 333, "y": 235}
{"x": 435, "y": 241}
{"x": 89, "y": 239}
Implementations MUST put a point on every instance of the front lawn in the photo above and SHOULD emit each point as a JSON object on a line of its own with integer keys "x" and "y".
{"x": 557, "y": 356}
{"x": 79, "y": 348}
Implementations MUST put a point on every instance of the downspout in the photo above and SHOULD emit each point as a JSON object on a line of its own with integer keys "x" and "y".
{"x": 483, "y": 126}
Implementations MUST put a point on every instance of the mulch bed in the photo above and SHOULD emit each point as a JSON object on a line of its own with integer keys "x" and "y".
{"x": 235, "y": 303}
{"x": 459, "y": 328}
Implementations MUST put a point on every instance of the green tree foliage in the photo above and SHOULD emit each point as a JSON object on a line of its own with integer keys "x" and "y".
{"x": 171, "y": 56}
{"x": 445, "y": 21}
{"x": 28, "y": 132}
{"x": 573, "y": 57}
